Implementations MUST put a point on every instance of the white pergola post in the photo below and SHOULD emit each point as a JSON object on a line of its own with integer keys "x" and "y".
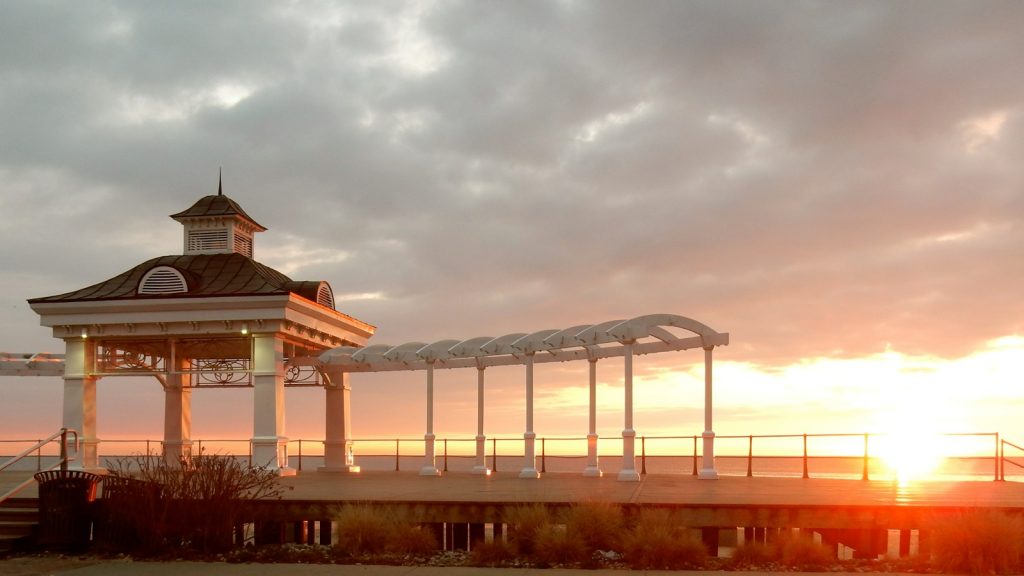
{"x": 707, "y": 470}
{"x": 80, "y": 402}
{"x": 338, "y": 455}
{"x": 592, "y": 469}
{"x": 628, "y": 472}
{"x": 177, "y": 444}
{"x": 429, "y": 465}
{"x": 529, "y": 437}
{"x": 481, "y": 440}
{"x": 269, "y": 444}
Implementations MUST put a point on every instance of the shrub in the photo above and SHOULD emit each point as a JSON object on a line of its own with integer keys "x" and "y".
{"x": 659, "y": 541}
{"x": 979, "y": 542}
{"x": 193, "y": 505}
{"x": 525, "y": 522}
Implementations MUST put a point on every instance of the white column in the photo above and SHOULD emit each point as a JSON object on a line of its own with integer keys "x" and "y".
{"x": 177, "y": 442}
{"x": 592, "y": 469}
{"x": 269, "y": 444}
{"x": 80, "y": 402}
{"x": 338, "y": 455}
{"x": 707, "y": 470}
{"x": 429, "y": 465}
{"x": 529, "y": 437}
{"x": 481, "y": 440}
{"x": 628, "y": 471}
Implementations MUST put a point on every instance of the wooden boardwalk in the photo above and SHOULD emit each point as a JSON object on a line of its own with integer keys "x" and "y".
{"x": 664, "y": 489}
{"x": 730, "y": 501}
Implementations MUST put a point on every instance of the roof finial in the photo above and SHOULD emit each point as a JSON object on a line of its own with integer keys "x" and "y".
{"x": 220, "y": 179}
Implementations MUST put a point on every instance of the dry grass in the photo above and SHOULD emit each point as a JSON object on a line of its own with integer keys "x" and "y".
{"x": 598, "y": 525}
{"x": 361, "y": 530}
{"x": 804, "y": 553}
{"x": 525, "y": 524}
{"x": 659, "y": 541}
{"x": 496, "y": 553}
{"x": 753, "y": 554}
{"x": 979, "y": 542}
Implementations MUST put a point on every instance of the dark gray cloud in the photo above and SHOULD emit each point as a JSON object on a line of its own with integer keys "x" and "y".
{"x": 815, "y": 178}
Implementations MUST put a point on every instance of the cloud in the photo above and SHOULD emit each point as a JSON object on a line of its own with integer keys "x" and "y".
{"x": 815, "y": 179}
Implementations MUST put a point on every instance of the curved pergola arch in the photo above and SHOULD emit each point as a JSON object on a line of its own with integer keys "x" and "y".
{"x": 647, "y": 334}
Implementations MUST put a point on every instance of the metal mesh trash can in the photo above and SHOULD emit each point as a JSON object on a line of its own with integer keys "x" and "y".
{"x": 65, "y": 497}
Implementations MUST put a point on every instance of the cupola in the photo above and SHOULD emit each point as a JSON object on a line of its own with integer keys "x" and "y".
{"x": 216, "y": 224}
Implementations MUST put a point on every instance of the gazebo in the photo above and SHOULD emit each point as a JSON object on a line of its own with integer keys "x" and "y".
{"x": 215, "y": 317}
{"x": 210, "y": 317}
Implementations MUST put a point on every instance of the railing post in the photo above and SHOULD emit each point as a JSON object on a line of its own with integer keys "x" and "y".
{"x": 1002, "y": 460}
{"x": 63, "y": 449}
{"x": 200, "y": 442}
{"x": 865, "y": 475}
{"x": 148, "y": 456}
{"x": 445, "y": 454}
{"x": 643, "y": 455}
{"x": 806, "y": 474}
{"x": 543, "y": 455}
{"x": 300, "y": 454}
{"x": 997, "y": 457}
{"x": 250, "y": 454}
{"x": 494, "y": 454}
{"x": 694, "y": 455}
{"x": 39, "y": 456}
{"x": 396, "y": 454}
{"x": 750, "y": 456}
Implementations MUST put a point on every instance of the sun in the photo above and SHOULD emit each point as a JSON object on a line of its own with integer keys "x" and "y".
{"x": 911, "y": 454}
{"x": 910, "y": 444}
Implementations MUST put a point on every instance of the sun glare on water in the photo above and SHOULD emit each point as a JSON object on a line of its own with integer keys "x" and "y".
{"x": 911, "y": 455}
{"x": 911, "y": 446}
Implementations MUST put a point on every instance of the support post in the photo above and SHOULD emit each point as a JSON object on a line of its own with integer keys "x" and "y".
{"x": 628, "y": 472}
{"x": 707, "y": 471}
{"x": 177, "y": 444}
{"x": 429, "y": 466}
{"x": 338, "y": 453}
{"x": 80, "y": 401}
{"x": 481, "y": 440}
{"x": 269, "y": 443}
{"x": 529, "y": 437}
{"x": 593, "y": 470}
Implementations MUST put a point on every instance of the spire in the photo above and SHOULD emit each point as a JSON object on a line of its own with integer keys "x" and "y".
{"x": 220, "y": 180}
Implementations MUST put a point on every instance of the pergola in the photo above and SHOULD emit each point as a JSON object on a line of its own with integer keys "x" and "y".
{"x": 618, "y": 338}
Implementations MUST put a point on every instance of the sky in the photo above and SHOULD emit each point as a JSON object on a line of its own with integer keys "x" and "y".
{"x": 838, "y": 185}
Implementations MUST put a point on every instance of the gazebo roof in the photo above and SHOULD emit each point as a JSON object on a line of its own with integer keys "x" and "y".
{"x": 215, "y": 205}
{"x": 205, "y": 274}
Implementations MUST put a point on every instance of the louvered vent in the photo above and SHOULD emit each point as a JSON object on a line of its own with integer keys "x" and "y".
{"x": 324, "y": 295}
{"x": 243, "y": 245}
{"x": 163, "y": 280}
{"x": 207, "y": 240}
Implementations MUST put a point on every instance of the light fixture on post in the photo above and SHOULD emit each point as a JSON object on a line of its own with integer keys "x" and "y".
{"x": 245, "y": 328}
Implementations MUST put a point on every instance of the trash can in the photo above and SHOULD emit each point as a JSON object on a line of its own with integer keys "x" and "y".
{"x": 65, "y": 497}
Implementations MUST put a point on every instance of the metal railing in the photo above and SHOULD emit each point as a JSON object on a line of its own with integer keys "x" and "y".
{"x": 1004, "y": 460}
{"x": 62, "y": 461}
{"x": 856, "y": 446}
